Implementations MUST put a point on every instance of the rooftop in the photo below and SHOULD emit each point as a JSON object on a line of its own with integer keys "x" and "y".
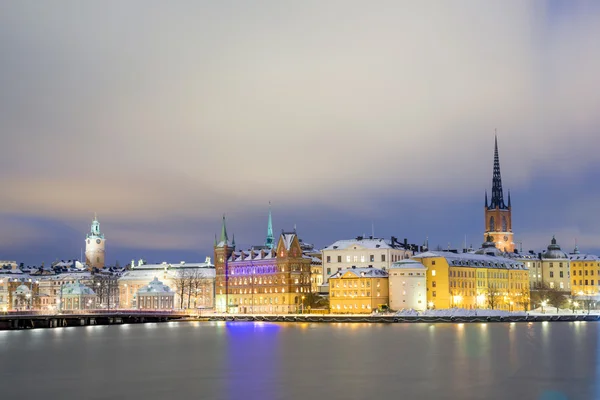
{"x": 473, "y": 260}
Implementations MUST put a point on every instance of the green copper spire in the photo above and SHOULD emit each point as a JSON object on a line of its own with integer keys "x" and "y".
{"x": 224, "y": 238}
{"x": 270, "y": 240}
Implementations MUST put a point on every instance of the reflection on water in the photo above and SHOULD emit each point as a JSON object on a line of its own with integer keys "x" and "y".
{"x": 244, "y": 360}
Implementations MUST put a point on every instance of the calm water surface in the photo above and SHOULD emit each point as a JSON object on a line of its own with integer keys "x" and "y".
{"x": 244, "y": 360}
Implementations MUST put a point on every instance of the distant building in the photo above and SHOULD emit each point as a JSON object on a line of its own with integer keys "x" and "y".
{"x": 408, "y": 285}
{"x": 585, "y": 274}
{"x": 261, "y": 279}
{"x": 193, "y": 284}
{"x": 94, "y": 246}
{"x": 77, "y": 296}
{"x": 358, "y": 291}
{"x": 364, "y": 252}
{"x": 468, "y": 280}
{"x": 555, "y": 267}
{"x": 155, "y": 296}
{"x": 498, "y": 215}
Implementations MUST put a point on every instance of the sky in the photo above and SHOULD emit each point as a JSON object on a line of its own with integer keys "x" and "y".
{"x": 349, "y": 117}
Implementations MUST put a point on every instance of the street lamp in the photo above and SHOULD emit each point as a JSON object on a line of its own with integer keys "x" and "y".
{"x": 543, "y": 305}
{"x": 430, "y": 304}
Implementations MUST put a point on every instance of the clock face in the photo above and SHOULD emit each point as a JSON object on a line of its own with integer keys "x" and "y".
{"x": 98, "y": 241}
{"x": 506, "y": 238}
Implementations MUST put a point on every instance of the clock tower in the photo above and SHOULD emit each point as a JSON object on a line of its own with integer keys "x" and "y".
{"x": 498, "y": 221}
{"x": 94, "y": 246}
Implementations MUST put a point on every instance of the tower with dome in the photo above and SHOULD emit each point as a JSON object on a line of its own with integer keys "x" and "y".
{"x": 94, "y": 246}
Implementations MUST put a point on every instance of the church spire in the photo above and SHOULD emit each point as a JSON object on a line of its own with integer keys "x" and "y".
{"x": 497, "y": 195}
{"x": 224, "y": 238}
{"x": 486, "y": 199}
{"x": 270, "y": 240}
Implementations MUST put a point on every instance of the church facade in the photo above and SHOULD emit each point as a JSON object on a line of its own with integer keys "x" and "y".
{"x": 498, "y": 214}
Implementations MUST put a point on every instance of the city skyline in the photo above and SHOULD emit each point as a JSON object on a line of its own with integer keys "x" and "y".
{"x": 343, "y": 117}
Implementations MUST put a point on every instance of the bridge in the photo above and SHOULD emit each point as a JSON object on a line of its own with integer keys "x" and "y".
{"x": 35, "y": 319}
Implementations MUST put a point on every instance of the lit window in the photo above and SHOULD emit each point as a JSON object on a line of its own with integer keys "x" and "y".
{"x": 433, "y": 272}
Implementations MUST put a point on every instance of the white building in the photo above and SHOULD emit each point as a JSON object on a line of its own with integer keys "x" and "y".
{"x": 202, "y": 295}
{"x": 155, "y": 296}
{"x": 77, "y": 296}
{"x": 363, "y": 252}
{"x": 408, "y": 285}
{"x": 556, "y": 271}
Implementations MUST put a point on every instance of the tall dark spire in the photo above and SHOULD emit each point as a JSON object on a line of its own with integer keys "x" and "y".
{"x": 486, "y": 199}
{"x": 497, "y": 195}
{"x": 270, "y": 241}
{"x": 224, "y": 238}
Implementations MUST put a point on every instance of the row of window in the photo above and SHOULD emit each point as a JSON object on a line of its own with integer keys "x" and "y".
{"x": 354, "y": 283}
{"x": 350, "y": 293}
{"x": 363, "y": 258}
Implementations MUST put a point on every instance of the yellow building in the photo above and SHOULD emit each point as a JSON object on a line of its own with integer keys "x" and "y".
{"x": 469, "y": 280}
{"x": 316, "y": 274}
{"x": 585, "y": 274}
{"x": 358, "y": 291}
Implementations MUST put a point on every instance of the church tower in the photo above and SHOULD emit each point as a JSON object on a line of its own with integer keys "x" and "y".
{"x": 223, "y": 250}
{"x": 498, "y": 221}
{"x": 94, "y": 246}
{"x": 270, "y": 241}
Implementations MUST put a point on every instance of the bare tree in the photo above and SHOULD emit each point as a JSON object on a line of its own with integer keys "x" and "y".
{"x": 588, "y": 302}
{"x": 556, "y": 298}
{"x": 106, "y": 287}
{"x": 524, "y": 298}
{"x": 180, "y": 281}
{"x": 493, "y": 297}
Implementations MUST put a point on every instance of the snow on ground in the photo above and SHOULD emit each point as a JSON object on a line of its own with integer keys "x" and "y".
{"x": 459, "y": 312}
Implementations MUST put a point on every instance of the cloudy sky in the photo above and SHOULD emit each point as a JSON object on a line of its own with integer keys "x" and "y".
{"x": 162, "y": 116}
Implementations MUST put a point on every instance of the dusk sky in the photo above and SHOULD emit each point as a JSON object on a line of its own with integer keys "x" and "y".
{"x": 163, "y": 116}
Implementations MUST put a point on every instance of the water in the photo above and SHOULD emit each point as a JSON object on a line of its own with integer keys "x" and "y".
{"x": 244, "y": 360}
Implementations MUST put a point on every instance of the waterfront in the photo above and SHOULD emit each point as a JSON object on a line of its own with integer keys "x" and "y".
{"x": 232, "y": 360}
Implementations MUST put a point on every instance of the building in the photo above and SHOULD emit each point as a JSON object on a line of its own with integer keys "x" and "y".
{"x": 155, "y": 296}
{"x": 498, "y": 215}
{"x": 193, "y": 284}
{"x": 468, "y": 280}
{"x": 363, "y": 252}
{"x": 408, "y": 285}
{"x": 555, "y": 267}
{"x": 316, "y": 274}
{"x": 77, "y": 297}
{"x": 22, "y": 298}
{"x": 94, "y": 246}
{"x": 261, "y": 279}
{"x": 585, "y": 274}
{"x": 358, "y": 291}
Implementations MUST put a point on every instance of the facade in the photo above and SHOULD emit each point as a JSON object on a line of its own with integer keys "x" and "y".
{"x": 468, "y": 280}
{"x": 408, "y": 285}
{"x": 261, "y": 279}
{"x": 193, "y": 284}
{"x": 155, "y": 296}
{"x": 316, "y": 274}
{"x": 498, "y": 215}
{"x": 555, "y": 268}
{"x": 50, "y": 287}
{"x": 22, "y": 298}
{"x": 358, "y": 291}
{"x": 94, "y": 246}
{"x": 363, "y": 252}
{"x": 77, "y": 297}
{"x": 585, "y": 274}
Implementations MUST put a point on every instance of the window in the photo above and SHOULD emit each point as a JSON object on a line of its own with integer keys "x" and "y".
{"x": 551, "y": 274}
{"x": 383, "y": 258}
{"x": 347, "y": 258}
{"x": 433, "y": 294}
{"x": 372, "y": 258}
{"x": 433, "y": 272}
{"x": 433, "y": 262}
{"x": 328, "y": 271}
{"x": 328, "y": 259}
{"x": 592, "y": 282}
{"x": 355, "y": 258}
{"x": 561, "y": 274}
{"x": 339, "y": 258}
{"x": 433, "y": 284}
{"x": 586, "y": 281}
{"x": 586, "y": 272}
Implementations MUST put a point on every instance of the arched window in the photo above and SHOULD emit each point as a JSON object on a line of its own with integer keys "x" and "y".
{"x": 504, "y": 225}
{"x": 492, "y": 224}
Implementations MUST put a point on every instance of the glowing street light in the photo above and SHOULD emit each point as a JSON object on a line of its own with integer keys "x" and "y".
{"x": 543, "y": 305}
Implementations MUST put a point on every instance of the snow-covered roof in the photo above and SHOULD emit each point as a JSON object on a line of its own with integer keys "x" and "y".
{"x": 361, "y": 273}
{"x": 407, "y": 264}
{"x": 22, "y": 289}
{"x": 155, "y": 286}
{"x": 473, "y": 260}
{"x": 584, "y": 257}
{"x": 288, "y": 239}
{"x": 76, "y": 289}
{"x": 165, "y": 264}
{"x": 364, "y": 243}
